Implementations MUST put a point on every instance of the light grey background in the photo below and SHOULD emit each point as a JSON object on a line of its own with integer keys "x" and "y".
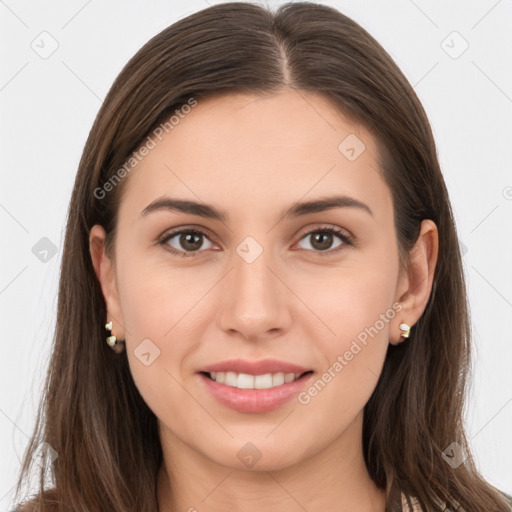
{"x": 48, "y": 106}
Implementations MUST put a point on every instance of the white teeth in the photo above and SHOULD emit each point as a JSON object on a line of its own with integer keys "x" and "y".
{"x": 231, "y": 379}
{"x": 289, "y": 377}
{"x": 246, "y": 381}
{"x": 278, "y": 379}
{"x": 263, "y": 381}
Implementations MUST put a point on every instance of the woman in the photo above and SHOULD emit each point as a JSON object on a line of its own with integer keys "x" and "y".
{"x": 260, "y": 231}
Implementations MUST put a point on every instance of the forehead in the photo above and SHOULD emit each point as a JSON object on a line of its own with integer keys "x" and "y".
{"x": 243, "y": 150}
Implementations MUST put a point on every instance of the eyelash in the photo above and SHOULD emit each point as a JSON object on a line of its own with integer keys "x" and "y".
{"x": 346, "y": 239}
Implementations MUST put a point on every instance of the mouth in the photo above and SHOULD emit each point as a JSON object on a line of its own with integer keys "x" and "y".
{"x": 250, "y": 393}
{"x": 254, "y": 386}
{"x": 250, "y": 381}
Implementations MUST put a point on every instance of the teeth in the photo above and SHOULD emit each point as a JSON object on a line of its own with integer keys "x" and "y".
{"x": 263, "y": 381}
{"x": 230, "y": 379}
{"x": 246, "y": 381}
{"x": 289, "y": 377}
{"x": 278, "y": 379}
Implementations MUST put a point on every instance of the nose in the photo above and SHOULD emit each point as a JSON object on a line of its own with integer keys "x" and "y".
{"x": 255, "y": 300}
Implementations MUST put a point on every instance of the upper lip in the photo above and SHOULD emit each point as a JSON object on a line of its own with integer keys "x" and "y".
{"x": 255, "y": 367}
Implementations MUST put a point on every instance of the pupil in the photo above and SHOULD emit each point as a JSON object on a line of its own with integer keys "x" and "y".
{"x": 323, "y": 237}
{"x": 187, "y": 240}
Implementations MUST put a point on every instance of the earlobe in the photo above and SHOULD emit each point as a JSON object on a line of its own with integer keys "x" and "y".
{"x": 419, "y": 277}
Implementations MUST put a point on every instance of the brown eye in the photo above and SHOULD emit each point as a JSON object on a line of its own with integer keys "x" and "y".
{"x": 185, "y": 241}
{"x": 190, "y": 241}
{"x": 322, "y": 240}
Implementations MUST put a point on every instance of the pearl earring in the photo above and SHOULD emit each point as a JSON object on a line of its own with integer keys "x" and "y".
{"x": 115, "y": 344}
{"x": 406, "y": 330}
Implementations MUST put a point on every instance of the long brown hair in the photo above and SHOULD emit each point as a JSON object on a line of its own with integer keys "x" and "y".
{"x": 92, "y": 415}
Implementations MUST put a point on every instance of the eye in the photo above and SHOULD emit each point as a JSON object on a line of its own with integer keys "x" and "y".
{"x": 190, "y": 240}
{"x": 322, "y": 239}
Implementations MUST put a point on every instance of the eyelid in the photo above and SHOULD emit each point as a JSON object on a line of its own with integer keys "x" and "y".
{"x": 325, "y": 226}
{"x": 187, "y": 229}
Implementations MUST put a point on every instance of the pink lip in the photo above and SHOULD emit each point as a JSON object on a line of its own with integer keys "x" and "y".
{"x": 255, "y": 367}
{"x": 254, "y": 400}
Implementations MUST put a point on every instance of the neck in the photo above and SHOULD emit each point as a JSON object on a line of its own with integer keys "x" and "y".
{"x": 333, "y": 479}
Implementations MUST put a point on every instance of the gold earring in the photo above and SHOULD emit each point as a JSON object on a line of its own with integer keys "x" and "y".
{"x": 406, "y": 330}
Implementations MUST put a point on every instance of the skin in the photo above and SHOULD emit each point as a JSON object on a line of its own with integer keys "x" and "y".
{"x": 253, "y": 157}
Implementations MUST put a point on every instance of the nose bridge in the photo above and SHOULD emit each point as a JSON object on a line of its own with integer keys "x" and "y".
{"x": 255, "y": 302}
{"x": 251, "y": 276}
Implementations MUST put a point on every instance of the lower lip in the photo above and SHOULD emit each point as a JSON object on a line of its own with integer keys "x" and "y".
{"x": 255, "y": 400}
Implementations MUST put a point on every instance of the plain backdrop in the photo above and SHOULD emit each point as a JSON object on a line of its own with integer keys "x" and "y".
{"x": 457, "y": 55}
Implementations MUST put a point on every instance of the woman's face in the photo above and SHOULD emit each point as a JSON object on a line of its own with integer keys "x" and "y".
{"x": 257, "y": 284}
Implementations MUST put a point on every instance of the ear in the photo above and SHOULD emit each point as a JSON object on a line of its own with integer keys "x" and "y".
{"x": 415, "y": 282}
{"x": 105, "y": 272}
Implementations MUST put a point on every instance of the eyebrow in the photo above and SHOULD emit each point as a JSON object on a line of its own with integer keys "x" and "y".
{"x": 297, "y": 209}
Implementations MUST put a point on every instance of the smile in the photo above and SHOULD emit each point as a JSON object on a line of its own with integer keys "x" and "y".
{"x": 247, "y": 381}
{"x": 240, "y": 391}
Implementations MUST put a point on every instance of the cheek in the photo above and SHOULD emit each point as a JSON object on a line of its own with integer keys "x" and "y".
{"x": 352, "y": 360}
{"x": 154, "y": 312}
{"x": 336, "y": 398}
{"x": 347, "y": 301}
{"x": 157, "y": 300}
{"x": 356, "y": 308}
